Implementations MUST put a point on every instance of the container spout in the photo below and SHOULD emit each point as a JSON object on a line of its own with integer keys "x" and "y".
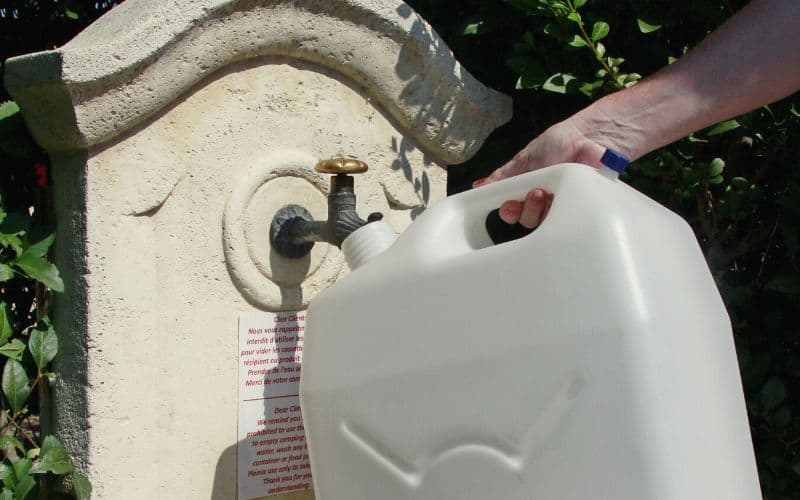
{"x": 367, "y": 242}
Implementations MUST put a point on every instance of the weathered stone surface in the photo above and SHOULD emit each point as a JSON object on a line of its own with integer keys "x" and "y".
{"x": 145, "y": 54}
{"x": 176, "y": 130}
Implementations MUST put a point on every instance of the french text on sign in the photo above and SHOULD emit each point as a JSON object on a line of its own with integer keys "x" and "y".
{"x": 272, "y": 456}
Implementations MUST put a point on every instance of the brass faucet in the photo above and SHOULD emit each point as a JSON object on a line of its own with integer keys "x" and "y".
{"x": 293, "y": 231}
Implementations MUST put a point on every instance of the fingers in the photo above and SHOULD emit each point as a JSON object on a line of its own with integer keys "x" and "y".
{"x": 530, "y": 212}
{"x": 510, "y": 211}
{"x": 533, "y": 208}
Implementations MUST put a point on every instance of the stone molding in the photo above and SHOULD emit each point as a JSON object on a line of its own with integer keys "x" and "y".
{"x": 144, "y": 55}
{"x": 258, "y": 281}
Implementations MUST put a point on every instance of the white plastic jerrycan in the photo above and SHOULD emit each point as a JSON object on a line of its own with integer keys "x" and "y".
{"x": 592, "y": 359}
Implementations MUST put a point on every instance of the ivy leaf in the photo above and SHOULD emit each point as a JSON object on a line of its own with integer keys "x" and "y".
{"x": 600, "y": 30}
{"x": 41, "y": 270}
{"x": 43, "y": 345}
{"x": 15, "y": 384}
{"x": 646, "y": 27}
{"x": 5, "y": 324}
{"x": 52, "y": 458}
{"x": 14, "y": 349}
{"x": 82, "y": 486}
{"x": 722, "y": 127}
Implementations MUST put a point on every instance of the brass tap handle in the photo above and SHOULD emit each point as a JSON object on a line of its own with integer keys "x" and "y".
{"x": 341, "y": 166}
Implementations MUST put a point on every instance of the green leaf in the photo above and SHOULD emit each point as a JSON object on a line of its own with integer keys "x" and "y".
{"x": 601, "y": 49}
{"x": 6, "y": 494}
{"x": 11, "y": 227}
{"x": 40, "y": 248}
{"x": 6, "y": 273}
{"x": 785, "y": 283}
{"x": 716, "y": 167}
{"x": 578, "y": 3}
{"x": 15, "y": 384}
{"x": 796, "y": 468}
{"x": 52, "y": 458}
{"x": 472, "y": 28}
{"x": 600, "y": 30}
{"x": 8, "y": 109}
{"x": 574, "y": 17}
{"x": 722, "y": 127}
{"x": 559, "y": 83}
{"x": 11, "y": 440}
{"x": 11, "y": 240}
{"x": 39, "y": 269}
{"x": 21, "y": 467}
{"x": 5, "y": 324}
{"x": 716, "y": 180}
{"x": 589, "y": 88}
{"x": 82, "y": 486}
{"x": 773, "y": 392}
{"x": 14, "y": 349}
{"x": 50, "y": 376}
{"x": 646, "y": 27}
{"x": 43, "y": 345}
{"x": 71, "y": 14}
{"x": 24, "y": 486}
{"x": 577, "y": 41}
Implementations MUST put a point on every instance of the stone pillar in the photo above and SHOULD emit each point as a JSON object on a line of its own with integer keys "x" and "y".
{"x": 176, "y": 128}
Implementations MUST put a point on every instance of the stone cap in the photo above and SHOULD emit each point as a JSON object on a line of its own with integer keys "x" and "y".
{"x": 143, "y": 55}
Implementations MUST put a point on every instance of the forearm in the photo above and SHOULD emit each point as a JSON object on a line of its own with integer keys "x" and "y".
{"x": 751, "y": 60}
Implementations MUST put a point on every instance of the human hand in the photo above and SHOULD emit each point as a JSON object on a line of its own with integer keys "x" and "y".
{"x": 563, "y": 142}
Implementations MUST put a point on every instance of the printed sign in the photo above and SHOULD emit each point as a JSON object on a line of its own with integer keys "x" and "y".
{"x": 272, "y": 454}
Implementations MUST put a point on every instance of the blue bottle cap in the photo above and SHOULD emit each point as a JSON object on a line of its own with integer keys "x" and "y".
{"x": 614, "y": 160}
